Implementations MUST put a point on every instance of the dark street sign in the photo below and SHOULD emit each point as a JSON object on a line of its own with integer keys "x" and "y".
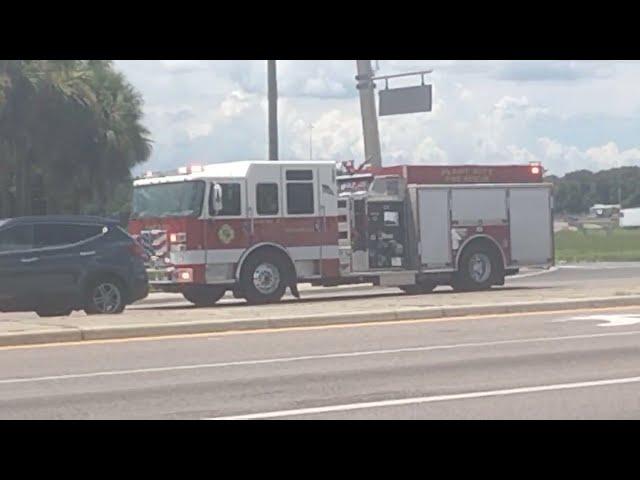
{"x": 397, "y": 101}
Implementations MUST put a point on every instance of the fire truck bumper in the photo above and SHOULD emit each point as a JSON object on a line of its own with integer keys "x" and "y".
{"x": 171, "y": 280}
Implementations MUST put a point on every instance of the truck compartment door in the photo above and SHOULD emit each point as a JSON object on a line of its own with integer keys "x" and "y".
{"x": 531, "y": 225}
{"x": 435, "y": 231}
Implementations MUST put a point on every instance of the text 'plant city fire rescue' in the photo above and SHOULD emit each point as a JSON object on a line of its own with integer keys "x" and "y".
{"x": 257, "y": 228}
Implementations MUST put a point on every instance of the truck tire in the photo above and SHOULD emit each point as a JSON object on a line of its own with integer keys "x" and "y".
{"x": 264, "y": 277}
{"x": 478, "y": 269}
{"x": 203, "y": 295}
{"x": 105, "y": 296}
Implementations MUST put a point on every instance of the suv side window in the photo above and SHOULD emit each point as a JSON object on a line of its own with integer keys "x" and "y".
{"x": 16, "y": 239}
{"x": 59, "y": 234}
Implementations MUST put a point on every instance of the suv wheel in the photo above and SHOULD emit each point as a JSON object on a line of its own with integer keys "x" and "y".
{"x": 105, "y": 296}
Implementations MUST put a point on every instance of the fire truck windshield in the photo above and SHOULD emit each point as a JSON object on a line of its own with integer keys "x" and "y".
{"x": 182, "y": 199}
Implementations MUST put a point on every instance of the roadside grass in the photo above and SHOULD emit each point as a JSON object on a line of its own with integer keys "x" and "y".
{"x": 597, "y": 246}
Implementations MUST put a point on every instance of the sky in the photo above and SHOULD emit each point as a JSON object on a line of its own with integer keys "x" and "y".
{"x": 569, "y": 115}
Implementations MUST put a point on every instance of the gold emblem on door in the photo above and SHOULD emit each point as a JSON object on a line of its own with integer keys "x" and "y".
{"x": 226, "y": 234}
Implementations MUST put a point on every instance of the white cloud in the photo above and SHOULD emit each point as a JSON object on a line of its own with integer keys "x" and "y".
{"x": 596, "y": 158}
{"x": 236, "y": 103}
{"x": 337, "y": 135}
{"x": 556, "y": 70}
{"x": 508, "y": 108}
{"x": 484, "y": 111}
{"x": 428, "y": 152}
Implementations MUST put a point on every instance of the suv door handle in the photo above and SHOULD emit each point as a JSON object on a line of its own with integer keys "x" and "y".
{"x": 86, "y": 254}
{"x": 29, "y": 260}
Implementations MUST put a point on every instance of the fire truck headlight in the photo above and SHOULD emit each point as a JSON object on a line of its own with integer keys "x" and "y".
{"x": 178, "y": 237}
{"x": 183, "y": 275}
{"x": 535, "y": 170}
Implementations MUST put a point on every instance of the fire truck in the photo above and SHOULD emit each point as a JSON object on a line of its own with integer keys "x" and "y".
{"x": 256, "y": 228}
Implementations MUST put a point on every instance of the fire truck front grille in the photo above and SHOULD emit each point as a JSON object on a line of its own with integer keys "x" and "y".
{"x": 155, "y": 242}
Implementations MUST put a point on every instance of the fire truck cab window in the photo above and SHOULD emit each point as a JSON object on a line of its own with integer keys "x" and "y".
{"x": 267, "y": 199}
{"x": 179, "y": 199}
{"x": 300, "y": 175}
{"x": 300, "y": 199}
{"x": 230, "y": 200}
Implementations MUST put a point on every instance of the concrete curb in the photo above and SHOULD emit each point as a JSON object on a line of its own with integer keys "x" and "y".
{"x": 70, "y": 334}
{"x": 34, "y": 338}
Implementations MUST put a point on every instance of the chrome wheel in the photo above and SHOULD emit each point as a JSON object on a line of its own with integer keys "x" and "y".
{"x": 480, "y": 267}
{"x": 106, "y": 298}
{"x": 266, "y": 278}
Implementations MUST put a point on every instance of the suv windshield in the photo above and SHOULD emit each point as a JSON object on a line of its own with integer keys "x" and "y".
{"x": 182, "y": 199}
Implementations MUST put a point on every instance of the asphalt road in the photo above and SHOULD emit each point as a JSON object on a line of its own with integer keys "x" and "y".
{"x": 532, "y": 366}
{"x": 563, "y": 275}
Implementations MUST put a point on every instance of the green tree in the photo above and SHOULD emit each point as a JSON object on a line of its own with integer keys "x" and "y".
{"x": 577, "y": 191}
{"x": 74, "y": 125}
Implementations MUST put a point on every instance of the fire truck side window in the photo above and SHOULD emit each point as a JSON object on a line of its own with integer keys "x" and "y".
{"x": 300, "y": 192}
{"x": 267, "y": 198}
{"x": 230, "y": 200}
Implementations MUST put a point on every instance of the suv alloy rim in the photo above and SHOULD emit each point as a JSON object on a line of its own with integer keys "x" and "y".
{"x": 106, "y": 297}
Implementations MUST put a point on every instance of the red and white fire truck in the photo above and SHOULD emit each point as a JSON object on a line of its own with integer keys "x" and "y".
{"x": 257, "y": 228}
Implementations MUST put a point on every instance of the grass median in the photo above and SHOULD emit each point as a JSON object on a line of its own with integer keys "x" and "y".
{"x": 598, "y": 246}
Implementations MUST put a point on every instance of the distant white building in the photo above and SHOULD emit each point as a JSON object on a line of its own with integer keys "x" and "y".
{"x": 604, "y": 211}
{"x": 630, "y": 218}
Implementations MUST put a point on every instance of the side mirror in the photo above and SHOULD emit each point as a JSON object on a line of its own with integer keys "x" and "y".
{"x": 217, "y": 198}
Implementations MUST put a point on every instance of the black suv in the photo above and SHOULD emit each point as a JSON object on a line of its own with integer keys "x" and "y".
{"x": 56, "y": 264}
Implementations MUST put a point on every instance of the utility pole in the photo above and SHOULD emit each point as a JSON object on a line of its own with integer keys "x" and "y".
{"x": 272, "y": 93}
{"x": 619, "y": 179}
{"x": 370, "y": 132}
{"x": 310, "y": 141}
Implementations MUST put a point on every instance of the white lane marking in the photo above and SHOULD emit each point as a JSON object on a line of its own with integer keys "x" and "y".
{"x": 533, "y": 274}
{"x": 364, "y": 353}
{"x": 432, "y": 399}
{"x": 597, "y": 267}
{"x": 609, "y": 320}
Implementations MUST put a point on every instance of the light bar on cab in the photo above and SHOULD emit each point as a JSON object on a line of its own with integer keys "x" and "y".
{"x": 180, "y": 171}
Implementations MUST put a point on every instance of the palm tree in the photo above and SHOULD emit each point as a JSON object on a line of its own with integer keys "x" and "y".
{"x": 75, "y": 123}
{"x": 123, "y": 141}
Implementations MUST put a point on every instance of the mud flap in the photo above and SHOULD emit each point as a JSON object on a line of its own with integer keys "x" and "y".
{"x": 294, "y": 290}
